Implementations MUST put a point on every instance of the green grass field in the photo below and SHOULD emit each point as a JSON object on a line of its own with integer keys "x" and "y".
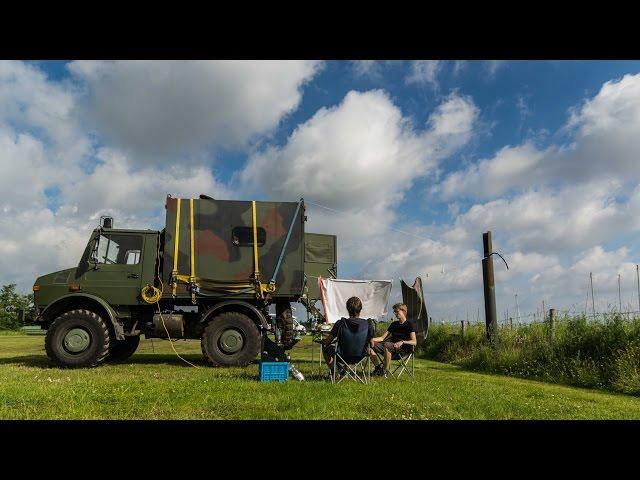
{"x": 158, "y": 385}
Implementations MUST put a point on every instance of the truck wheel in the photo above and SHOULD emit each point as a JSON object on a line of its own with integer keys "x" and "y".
{"x": 230, "y": 339}
{"x": 78, "y": 338}
{"x": 284, "y": 320}
{"x": 123, "y": 349}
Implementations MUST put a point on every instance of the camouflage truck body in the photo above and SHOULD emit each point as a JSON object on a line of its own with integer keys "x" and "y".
{"x": 223, "y": 243}
{"x": 130, "y": 282}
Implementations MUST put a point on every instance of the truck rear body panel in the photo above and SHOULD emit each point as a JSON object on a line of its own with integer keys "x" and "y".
{"x": 223, "y": 243}
{"x": 320, "y": 260}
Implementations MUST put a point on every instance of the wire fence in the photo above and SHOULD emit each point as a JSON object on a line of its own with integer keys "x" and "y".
{"x": 529, "y": 318}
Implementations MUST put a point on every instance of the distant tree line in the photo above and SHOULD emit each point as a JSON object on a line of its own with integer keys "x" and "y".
{"x": 10, "y": 303}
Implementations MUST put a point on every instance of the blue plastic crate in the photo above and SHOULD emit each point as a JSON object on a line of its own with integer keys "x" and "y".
{"x": 274, "y": 371}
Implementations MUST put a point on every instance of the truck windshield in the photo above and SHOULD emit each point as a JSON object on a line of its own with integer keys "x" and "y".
{"x": 119, "y": 249}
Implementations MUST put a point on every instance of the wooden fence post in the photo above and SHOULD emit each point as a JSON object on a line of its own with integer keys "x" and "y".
{"x": 491, "y": 320}
{"x": 463, "y": 327}
{"x": 552, "y": 322}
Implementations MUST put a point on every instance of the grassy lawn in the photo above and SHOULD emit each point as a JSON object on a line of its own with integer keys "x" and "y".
{"x": 155, "y": 384}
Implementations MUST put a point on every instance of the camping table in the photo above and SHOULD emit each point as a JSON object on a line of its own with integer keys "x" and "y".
{"x": 318, "y": 336}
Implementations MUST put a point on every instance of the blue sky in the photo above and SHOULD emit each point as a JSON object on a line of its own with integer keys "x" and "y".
{"x": 540, "y": 152}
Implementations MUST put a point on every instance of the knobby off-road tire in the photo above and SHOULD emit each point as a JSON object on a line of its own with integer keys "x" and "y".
{"x": 78, "y": 338}
{"x": 230, "y": 339}
{"x": 123, "y": 349}
{"x": 284, "y": 320}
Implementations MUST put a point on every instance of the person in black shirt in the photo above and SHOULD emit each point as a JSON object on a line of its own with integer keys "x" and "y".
{"x": 354, "y": 323}
{"x": 398, "y": 337}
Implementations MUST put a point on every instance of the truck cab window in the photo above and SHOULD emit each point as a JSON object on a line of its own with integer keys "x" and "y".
{"x": 119, "y": 249}
{"x": 243, "y": 236}
{"x": 132, "y": 257}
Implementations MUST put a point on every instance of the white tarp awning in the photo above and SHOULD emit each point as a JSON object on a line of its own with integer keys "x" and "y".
{"x": 335, "y": 292}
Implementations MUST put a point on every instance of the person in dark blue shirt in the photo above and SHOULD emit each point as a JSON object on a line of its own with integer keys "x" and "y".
{"x": 354, "y": 323}
{"x": 400, "y": 336}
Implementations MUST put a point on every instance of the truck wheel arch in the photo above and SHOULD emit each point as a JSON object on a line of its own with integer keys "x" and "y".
{"x": 83, "y": 301}
{"x": 236, "y": 306}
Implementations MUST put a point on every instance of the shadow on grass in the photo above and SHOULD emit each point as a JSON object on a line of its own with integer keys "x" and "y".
{"x": 38, "y": 361}
{"x": 42, "y": 361}
{"x": 161, "y": 358}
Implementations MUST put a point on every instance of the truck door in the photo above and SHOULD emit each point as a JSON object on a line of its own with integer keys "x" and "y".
{"x": 320, "y": 260}
{"x": 117, "y": 275}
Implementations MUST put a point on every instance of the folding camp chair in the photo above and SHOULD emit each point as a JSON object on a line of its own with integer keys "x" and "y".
{"x": 352, "y": 356}
{"x": 401, "y": 361}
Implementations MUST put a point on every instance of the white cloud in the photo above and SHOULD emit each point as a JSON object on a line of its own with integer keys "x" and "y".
{"x": 424, "y": 72}
{"x": 160, "y": 109}
{"x": 28, "y": 99}
{"x": 361, "y": 157}
{"x": 605, "y": 145}
{"x": 45, "y": 241}
{"x": 510, "y": 168}
{"x": 367, "y": 68}
{"x": 554, "y": 221}
{"x": 44, "y": 146}
{"x": 549, "y": 203}
{"x": 116, "y": 185}
{"x": 362, "y": 153}
{"x": 561, "y": 285}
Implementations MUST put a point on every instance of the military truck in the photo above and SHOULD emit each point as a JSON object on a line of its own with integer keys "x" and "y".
{"x": 212, "y": 273}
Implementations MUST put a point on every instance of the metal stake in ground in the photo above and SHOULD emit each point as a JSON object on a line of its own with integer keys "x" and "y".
{"x": 593, "y": 302}
{"x": 638, "y": 278}
{"x": 619, "y": 296}
{"x": 489, "y": 289}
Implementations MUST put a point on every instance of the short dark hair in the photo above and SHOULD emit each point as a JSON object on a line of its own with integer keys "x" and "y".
{"x": 354, "y": 306}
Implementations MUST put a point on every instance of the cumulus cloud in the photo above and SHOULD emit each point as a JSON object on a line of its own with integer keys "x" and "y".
{"x": 115, "y": 185}
{"x": 604, "y": 145}
{"x": 97, "y": 141}
{"x": 553, "y": 220}
{"x": 29, "y": 100}
{"x": 511, "y": 167}
{"x": 37, "y": 241}
{"x": 362, "y": 153}
{"x": 574, "y": 279}
{"x": 159, "y": 109}
{"x": 546, "y": 204}
{"x": 48, "y": 154}
{"x": 359, "y": 157}
{"x": 554, "y": 201}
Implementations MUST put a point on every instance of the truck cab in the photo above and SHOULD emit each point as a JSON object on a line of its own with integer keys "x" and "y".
{"x": 114, "y": 266}
{"x": 119, "y": 264}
